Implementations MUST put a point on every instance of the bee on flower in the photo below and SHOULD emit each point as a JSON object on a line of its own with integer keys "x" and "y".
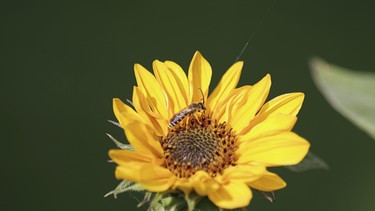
{"x": 191, "y": 109}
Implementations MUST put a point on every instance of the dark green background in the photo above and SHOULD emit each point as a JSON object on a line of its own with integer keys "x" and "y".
{"x": 62, "y": 62}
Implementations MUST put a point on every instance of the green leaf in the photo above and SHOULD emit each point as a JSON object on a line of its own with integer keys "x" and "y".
{"x": 124, "y": 186}
{"x": 119, "y": 144}
{"x": 351, "y": 93}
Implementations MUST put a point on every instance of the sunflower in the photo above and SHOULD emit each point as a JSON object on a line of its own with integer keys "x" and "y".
{"x": 219, "y": 145}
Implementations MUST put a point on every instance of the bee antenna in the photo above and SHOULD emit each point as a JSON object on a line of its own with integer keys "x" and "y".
{"x": 202, "y": 95}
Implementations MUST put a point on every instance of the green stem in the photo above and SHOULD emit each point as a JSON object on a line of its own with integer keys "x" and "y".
{"x": 192, "y": 201}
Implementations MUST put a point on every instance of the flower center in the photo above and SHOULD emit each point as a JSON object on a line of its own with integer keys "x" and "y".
{"x": 198, "y": 143}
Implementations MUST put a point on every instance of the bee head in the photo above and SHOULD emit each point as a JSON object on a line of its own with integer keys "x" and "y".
{"x": 201, "y": 106}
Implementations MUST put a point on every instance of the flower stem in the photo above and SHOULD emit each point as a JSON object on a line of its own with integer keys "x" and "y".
{"x": 192, "y": 200}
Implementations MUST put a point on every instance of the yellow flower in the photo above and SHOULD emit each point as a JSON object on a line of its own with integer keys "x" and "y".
{"x": 221, "y": 150}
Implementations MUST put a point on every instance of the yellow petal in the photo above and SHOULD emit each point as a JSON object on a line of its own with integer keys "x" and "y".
{"x": 203, "y": 183}
{"x": 285, "y": 104}
{"x": 246, "y": 107}
{"x": 232, "y": 195}
{"x": 142, "y": 168}
{"x": 233, "y": 104}
{"x": 181, "y": 79}
{"x": 137, "y": 103}
{"x": 243, "y": 172}
{"x": 124, "y": 157}
{"x": 158, "y": 123}
{"x": 152, "y": 177}
{"x": 150, "y": 118}
{"x": 158, "y": 185}
{"x": 199, "y": 77}
{"x": 124, "y": 113}
{"x": 140, "y": 104}
{"x": 138, "y": 134}
{"x": 266, "y": 125}
{"x": 154, "y": 93}
{"x": 224, "y": 106}
{"x": 184, "y": 184}
{"x": 286, "y": 148}
{"x": 176, "y": 100}
{"x": 227, "y": 83}
{"x": 268, "y": 182}
{"x": 135, "y": 129}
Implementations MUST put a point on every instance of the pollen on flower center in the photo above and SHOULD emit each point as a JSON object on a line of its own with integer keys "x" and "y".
{"x": 199, "y": 143}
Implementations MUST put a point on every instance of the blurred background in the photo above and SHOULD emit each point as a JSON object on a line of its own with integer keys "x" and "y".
{"x": 62, "y": 62}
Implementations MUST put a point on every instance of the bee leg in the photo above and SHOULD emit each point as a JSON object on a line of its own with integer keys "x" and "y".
{"x": 196, "y": 117}
{"x": 187, "y": 124}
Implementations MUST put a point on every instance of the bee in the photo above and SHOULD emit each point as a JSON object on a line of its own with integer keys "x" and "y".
{"x": 190, "y": 109}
